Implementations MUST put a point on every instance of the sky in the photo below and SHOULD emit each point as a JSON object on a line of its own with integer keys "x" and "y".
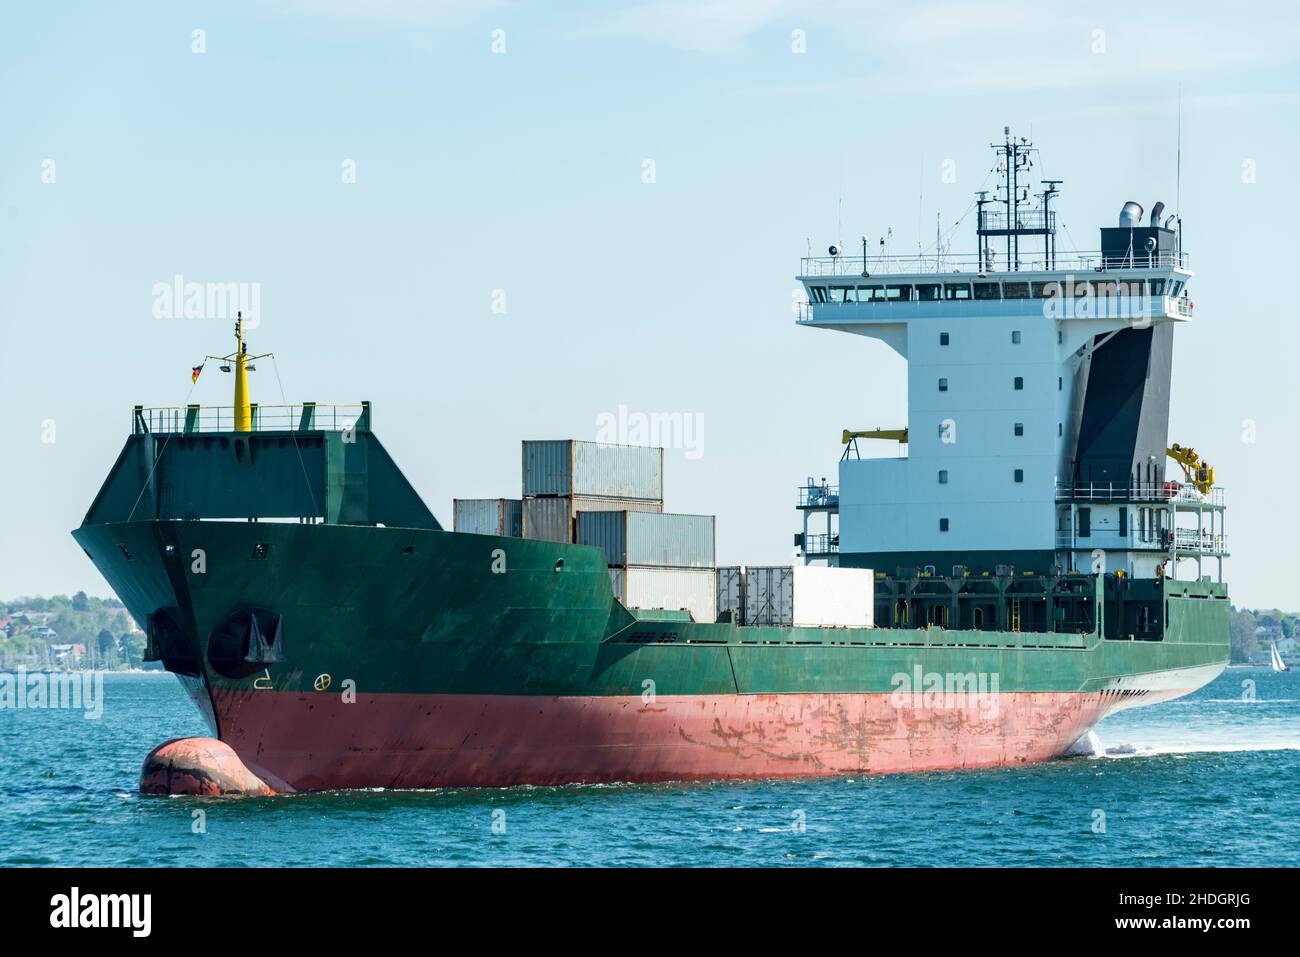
{"x": 499, "y": 221}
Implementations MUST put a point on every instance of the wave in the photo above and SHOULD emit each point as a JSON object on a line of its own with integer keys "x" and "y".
{"x": 1208, "y": 744}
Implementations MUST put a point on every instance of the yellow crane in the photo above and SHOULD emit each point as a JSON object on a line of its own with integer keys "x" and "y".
{"x": 850, "y": 439}
{"x": 897, "y": 435}
{"x": 1199, "y": 473}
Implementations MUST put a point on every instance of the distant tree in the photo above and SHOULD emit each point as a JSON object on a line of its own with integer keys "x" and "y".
{"x": 80, "y": 602}
{"x": 1241, "y": 636}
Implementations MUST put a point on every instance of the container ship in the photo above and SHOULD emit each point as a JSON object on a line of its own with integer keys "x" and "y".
{"x": 1013, "y": 569}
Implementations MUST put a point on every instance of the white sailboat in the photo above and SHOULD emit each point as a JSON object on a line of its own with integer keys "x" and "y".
{"x": 1275, "y": 657}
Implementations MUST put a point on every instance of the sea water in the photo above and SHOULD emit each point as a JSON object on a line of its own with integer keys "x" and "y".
{"x": 1207, "y": 780}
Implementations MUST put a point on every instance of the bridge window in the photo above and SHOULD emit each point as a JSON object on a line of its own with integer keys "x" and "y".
{"x": 1045, "y": 290}
{"x": 837, "y": 293}
{"x": 1157, "y": 287}
{"x": 956, "y": 290}
{"x": 927, "y": 292}
{"x": 1082, "y": 289}
{"x": 1015, "y": 290}
{"x": 899, "y": 293}
{"x": 988, "y": 290}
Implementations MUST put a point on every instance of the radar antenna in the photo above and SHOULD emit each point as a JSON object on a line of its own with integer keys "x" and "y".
{"x": 1016, "y": 159}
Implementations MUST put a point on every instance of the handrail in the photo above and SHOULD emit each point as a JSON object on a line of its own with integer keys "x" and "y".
{"x": 921, "y": 264}
{"x": 1176, "y": 492}
{"x": 818, "y": 496}
{"x": 299, "y": 417}
{"x": 821, "y": 544}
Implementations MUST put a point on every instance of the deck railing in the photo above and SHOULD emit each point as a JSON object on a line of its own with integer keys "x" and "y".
{"x": 300, "y": 417}
{"x": 1176, "y": 492}
{"x": 848, "y": 264}
{"x": 821, "y": 544}
{"x": 819, "y": 496}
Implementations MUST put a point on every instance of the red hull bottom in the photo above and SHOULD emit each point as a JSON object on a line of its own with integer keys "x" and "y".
{"x": 304, "y": 742}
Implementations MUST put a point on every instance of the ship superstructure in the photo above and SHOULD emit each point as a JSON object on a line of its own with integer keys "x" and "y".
{"x": 1038, "y": 412}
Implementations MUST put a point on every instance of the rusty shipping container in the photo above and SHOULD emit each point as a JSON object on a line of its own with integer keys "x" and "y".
{"x": 587, "y": 469}
{"x": 553, "y": 518}
{"x": 488, "y": 516}
{"x": 664, "y": 539}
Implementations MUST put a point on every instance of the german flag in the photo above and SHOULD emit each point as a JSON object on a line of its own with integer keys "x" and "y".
{"x": 194, "y": 374}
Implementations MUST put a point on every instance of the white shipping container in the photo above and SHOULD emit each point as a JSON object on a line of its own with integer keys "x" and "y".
{"x": 649, "y": 538}
{"x": 671, "y": 589}
{"x": 769, "y": 595}
{"x": 488, "y": 516}
{"x": 731, "y": 593}
{"x": 569, "y": 467}
{"x": 833, "y": 597}
{"x": 551, "y": 518}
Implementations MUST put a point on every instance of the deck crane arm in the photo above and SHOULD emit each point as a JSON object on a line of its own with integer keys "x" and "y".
{"x": 898, "y": 435}
{"x": 1198, "y": 473}
{"x": 850, "y": 439}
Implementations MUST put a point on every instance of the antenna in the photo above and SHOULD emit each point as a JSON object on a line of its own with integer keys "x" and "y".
{"x": 1178, "y": 174}
{"x": 1016, "y": 159}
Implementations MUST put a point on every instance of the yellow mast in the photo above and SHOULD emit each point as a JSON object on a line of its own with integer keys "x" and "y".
{"x": 243, "y": 410}
{"x": 241, "y": 362}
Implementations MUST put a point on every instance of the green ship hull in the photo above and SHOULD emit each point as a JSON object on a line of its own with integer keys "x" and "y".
{"x": 416, "y": 657}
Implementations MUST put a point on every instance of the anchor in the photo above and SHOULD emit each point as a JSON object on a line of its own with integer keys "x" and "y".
{"x": 261, "y": 651}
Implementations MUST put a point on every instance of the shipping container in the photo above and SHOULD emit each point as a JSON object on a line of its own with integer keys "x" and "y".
{"x": 769, "y": 595}
{"x": 670, "y": 589}
{"x": 488, "y": 516}
{"x": 552, "y": 518}
{"x": 649, "y": 538}
{"x": 731, "y": 594}
{"x": 572, "y": 468}
{"x": 833, "y": 597}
